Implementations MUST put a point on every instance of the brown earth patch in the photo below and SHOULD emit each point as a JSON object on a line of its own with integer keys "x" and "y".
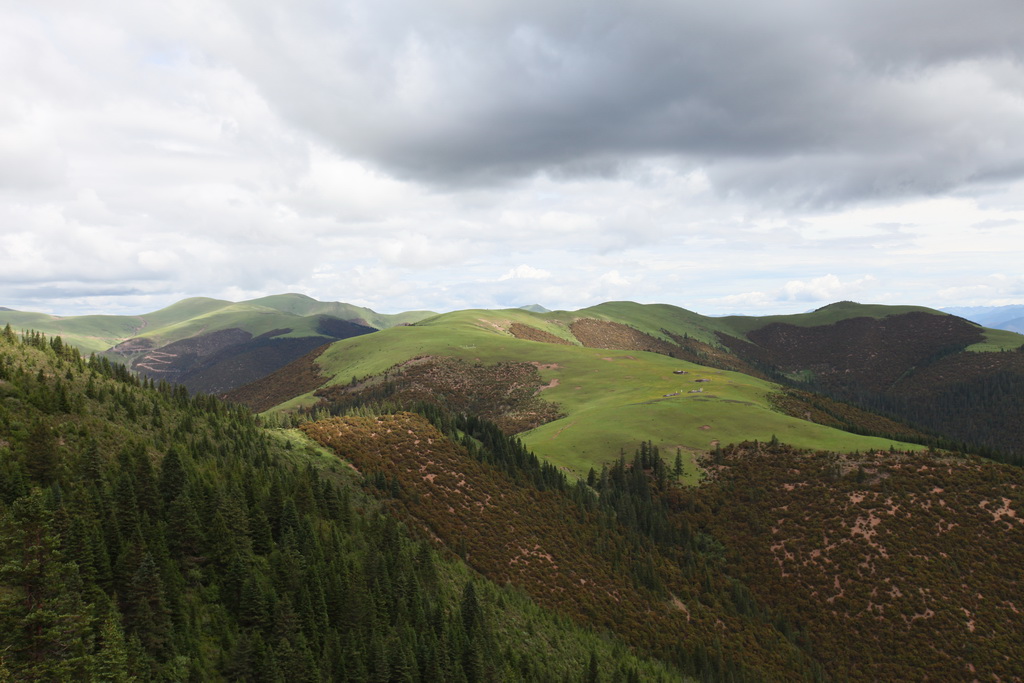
{"x": 521, "y": 331}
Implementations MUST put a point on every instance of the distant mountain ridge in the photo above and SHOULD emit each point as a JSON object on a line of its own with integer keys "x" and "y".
{"x": 1000, "y": 317}
{"x": 213, "y": 345}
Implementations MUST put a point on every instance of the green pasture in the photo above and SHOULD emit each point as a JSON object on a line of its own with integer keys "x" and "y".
{"x": 252, "y": 318}
{"x": 613, "y": 399}
{"x": 199, "y": 315}
{"x": 302, "y": 305}
{"x": 997, "y": 340}
{"x": 90, "y": 333}
{"x": 183, "y": 310}
{"x": 616, "y": 399}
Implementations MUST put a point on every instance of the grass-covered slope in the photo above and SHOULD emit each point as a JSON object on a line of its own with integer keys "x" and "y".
{"x": 90, "y": 333}
{"x": 298, "y": 313}
{"x": 146, "y": 535}
{"x": 299, "y": 304}
{"x": 210, "y": 345}
{"x": 610, "y": 399}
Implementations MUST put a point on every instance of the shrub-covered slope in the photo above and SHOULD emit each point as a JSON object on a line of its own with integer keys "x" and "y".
{"x": 784, "y": 565}
{"x": 900, "y": 566}
{"x": 614, "y": 562}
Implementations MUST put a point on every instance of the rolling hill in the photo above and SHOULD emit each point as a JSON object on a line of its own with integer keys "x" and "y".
{"x": 575, "y": 404}
{"x": 1000, "y": 317}
{"x": 211, "y": 345}
{"x": 856, "y": 368}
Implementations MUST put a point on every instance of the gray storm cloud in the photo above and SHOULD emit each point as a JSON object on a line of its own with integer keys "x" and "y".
{"x": 795, "y": 101}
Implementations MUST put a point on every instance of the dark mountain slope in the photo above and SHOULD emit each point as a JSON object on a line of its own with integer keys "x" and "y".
{"x": 862, "y": 353}
{"x": 629, "y": 572}
{"x": 507, "y": 394}
{"x": 913, "y": 367}
{"x": 217, "y": 362}
{"x": 297, "y": 378}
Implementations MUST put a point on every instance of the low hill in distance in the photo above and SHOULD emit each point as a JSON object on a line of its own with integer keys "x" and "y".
{"x": 810, "y": 379}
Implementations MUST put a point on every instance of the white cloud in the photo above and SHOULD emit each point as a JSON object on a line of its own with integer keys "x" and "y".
{"x": 824, "y": 288}
{"x": 996, "y": 289}
{"x": 525, "y": 272}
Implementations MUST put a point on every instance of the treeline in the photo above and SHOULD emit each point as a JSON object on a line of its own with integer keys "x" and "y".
{"x": 149, "y": 535}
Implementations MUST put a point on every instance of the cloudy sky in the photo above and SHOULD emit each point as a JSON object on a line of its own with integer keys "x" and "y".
{"x": 727, "y": 157}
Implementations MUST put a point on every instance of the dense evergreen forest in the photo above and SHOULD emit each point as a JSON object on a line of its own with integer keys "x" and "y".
{"x": 149, "y": 535}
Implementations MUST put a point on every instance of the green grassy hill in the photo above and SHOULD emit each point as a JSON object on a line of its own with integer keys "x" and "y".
{"x": 198, "y": 315}
{"x": 211, "y": 345}
{"x": 611, "y": 399}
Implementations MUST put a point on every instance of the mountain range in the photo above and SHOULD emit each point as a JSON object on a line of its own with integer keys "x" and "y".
{"x": 627, "y": 491}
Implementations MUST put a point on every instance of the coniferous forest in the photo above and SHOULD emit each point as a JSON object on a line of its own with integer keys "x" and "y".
{"x": 149, "y": 535}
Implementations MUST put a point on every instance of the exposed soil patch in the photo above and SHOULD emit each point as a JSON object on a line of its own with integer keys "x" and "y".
{"x": 132, "y": 346}
{"x": 550, "y": 385}
{"x": 521, "y": 331}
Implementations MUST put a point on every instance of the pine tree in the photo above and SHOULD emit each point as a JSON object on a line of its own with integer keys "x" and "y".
{"x": 172, "y": 475}
{"x": 592, "y": 671}
{"x": 677, "y": 468}
{"x": 41, "y": 455}
{"x": 110, "y": 663}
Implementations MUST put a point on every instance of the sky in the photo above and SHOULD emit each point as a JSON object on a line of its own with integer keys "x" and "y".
{"x": 735, "y": 157}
